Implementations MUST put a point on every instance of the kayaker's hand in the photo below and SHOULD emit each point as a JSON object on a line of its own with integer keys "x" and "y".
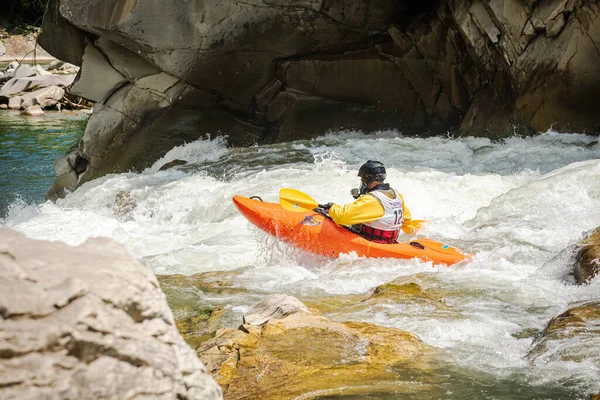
{"x": 326, "y": 206}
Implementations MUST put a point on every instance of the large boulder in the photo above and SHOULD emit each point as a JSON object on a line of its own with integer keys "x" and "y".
{"x": 265, "y": 72}
{"x": 44, "y": 98}
{"x": 87, "y": 322}
{"x": 286, "y": 350}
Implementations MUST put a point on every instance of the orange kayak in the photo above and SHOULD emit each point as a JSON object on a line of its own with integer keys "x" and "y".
{"x": 314, "y": 232}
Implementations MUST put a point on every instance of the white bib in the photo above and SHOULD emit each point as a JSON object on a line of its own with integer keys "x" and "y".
{"x": 393, "y": 216}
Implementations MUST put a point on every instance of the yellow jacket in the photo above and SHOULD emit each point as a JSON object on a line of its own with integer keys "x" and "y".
{"x": 364, "y": 209}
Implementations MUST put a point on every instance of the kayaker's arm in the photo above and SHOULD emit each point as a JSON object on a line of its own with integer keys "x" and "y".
{"x": 364, "y": 209}
{"x": 406, "y": 213}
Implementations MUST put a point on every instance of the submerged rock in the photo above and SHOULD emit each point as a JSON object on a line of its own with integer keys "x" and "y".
{"x": 572, "y": 336}
{"x": 588, "y": 258}
{"x": 87, "y": 322}
{"x": 196, "y": 320}
{"x": 305, "y": 354}
{"x": 172, "y": 164}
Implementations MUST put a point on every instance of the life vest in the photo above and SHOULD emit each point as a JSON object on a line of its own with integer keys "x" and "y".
{"x": 386, "y": 228}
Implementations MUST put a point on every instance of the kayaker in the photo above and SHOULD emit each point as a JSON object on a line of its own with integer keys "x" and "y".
{"x": 379, "y": 210}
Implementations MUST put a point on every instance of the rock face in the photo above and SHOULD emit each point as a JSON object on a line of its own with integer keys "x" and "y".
{"x": 285, "y": 350}
{"x": 274, "y": 71}
{"x": 88, "y": 323}
{"x": 587, "y": 264}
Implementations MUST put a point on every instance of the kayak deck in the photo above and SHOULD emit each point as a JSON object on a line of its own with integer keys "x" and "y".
{"x": 314, "y": 232}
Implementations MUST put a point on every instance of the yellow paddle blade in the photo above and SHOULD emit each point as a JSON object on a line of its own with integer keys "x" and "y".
{"x": 414, "y": 226}
{"x": 295, "y": 200}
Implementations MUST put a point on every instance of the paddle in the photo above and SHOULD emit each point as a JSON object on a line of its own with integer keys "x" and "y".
{"x": 295, "y": 200}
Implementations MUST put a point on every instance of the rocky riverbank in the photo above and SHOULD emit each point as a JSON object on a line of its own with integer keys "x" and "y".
{"x": 34, "y": 89}
{"x": 32, "y": 80}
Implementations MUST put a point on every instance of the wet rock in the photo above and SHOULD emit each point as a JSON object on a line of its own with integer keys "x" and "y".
{"x": 3, "y": 106}
{"x": 172, "y": 164}
{"x": 87, "y": 322}
{"x": 304, "y": 353}
{"x": 572, "y": 336}
{"x": 33, "y": 111}
{"x": 124, "y": 204}
{"x": 587, "y": 264}
{"x": 202, "y": 327}
{"x": 197, "y": 320}
{"x": 66, "y": 176}
{"x": 276, "y": 306}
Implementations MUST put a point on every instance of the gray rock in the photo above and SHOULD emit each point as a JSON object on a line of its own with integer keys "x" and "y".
{"x": 14, "y": 103}
{"x": 87, "y": 322}
{"x": 88, "y": 84}
{"x": 45, "y": 97}
{"x": 19, "y": 85}
{"x": 2, "y": 48}
{"x": 275, "y": 306}
{"x": 5, "y": 77}
{"x": 33, "y": 111}
{"x": 13, "y": 87}
{"x": 12, "y": 66}
{"x": 24, "y": 71}
{"x": 128, "y": 63}
{"x": 66, "y": 41}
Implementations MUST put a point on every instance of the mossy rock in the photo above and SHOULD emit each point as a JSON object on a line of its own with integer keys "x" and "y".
{"x": 184, "y": 293}
{"x": 305, "y": 354}
{"x": 197, "y": 320}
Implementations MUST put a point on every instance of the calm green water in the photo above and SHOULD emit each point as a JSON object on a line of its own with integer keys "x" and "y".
{"x": 29, "y": 146}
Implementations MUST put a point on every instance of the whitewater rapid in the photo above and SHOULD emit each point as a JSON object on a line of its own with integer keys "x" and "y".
{"x": 518, "y": 205}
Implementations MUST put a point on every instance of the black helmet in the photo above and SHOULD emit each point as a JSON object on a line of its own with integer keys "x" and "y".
{"x": 372, "y": 171}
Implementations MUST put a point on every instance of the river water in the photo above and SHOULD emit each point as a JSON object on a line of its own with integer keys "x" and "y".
{"x": 518, "y": 205}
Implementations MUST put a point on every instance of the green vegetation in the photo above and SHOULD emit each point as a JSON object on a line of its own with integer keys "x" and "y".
{"x": 21, "y": 16}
